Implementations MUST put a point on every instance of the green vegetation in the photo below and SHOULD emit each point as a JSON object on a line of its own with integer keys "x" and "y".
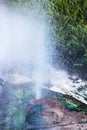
{"x": 70, "y": 23}
{"x": 73, "y": 104}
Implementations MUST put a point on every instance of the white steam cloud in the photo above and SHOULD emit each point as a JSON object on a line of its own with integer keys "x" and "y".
{"x": 22, "y": 44}
{"x": 21, "y": 38}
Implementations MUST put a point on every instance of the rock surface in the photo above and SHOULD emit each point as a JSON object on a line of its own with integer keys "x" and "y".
{"x": 54, "y": 116}
{"x": 15, "y": 94}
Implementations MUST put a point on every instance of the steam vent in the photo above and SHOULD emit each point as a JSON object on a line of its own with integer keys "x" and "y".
{"x": 43, "y": 64}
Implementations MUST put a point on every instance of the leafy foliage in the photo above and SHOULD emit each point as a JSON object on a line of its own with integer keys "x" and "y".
{"x": 69, "y": 22}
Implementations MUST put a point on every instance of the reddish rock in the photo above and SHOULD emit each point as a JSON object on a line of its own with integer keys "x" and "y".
{"x": 56, "y": 116}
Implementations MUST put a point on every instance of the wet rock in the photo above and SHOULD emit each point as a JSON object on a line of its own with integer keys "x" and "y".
{"x": 53, "y": 116}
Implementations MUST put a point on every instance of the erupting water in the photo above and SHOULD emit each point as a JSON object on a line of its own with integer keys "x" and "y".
{"x": 22, "y": 43}
{"x": 23, "y": 46}
{"x": 24, "y": 65}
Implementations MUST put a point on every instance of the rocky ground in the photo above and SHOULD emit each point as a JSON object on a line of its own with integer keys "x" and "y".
{"x": 60, "y": 108}
{"x": 15, "y": 111}
{"x": 52, "y": 115}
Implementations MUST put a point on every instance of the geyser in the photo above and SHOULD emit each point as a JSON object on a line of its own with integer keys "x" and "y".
{"x": 22, "y": 44}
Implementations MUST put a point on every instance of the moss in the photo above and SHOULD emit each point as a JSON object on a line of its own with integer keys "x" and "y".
{"x": 73, "y": 104}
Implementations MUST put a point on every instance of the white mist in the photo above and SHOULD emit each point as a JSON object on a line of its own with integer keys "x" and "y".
{"x": 22, "y": 44}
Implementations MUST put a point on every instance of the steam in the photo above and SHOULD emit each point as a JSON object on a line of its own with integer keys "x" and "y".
{"x": 17, "y": 37}
{"x": 22, "y": 43}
